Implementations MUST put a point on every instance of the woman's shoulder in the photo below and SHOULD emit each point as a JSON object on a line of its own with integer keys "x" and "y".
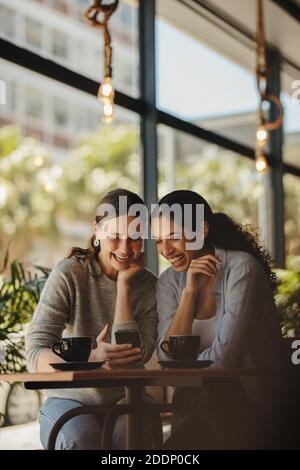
{"x": 243, "y": 261}
{"x": 146, "y": 278}
{"x": 71, "y": 266}
{"x": 170, "y": 277}
{"x": 143, "y": 285}
{"x": 237, "y": 257}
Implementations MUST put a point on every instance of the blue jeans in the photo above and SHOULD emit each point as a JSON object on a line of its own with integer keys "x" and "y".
{"x": 84, "y": 432}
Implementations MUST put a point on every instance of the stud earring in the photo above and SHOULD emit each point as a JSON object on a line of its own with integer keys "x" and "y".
{"x": 96, "y": 242}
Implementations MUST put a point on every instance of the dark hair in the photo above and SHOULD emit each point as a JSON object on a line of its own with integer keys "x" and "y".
{"x": 224, "y": 232}
{"x": 112, "y": 198}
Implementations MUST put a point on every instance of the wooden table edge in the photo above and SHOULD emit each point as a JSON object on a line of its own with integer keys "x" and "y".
{"x": 69, "y": 376}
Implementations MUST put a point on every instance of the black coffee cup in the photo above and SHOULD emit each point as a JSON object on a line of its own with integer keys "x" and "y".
{"x": 182, "y": 347}
{"x": 76, "y": 349}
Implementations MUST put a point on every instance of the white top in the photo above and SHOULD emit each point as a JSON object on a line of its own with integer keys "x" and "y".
{"x": 206, "y": 329}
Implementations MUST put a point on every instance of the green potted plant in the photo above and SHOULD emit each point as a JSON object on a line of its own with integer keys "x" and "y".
{"x": 288, "y": 298}
{"x": 288, "y": 301}
{"x": 20, "y": 290}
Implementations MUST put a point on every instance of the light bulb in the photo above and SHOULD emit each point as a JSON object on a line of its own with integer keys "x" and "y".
{"x": 261, "y": 135}
{"x": 108, "y": 112}
{"x": 107, "y": 88}
{"x": 106, "y": 91}
{"x": 107, "y": 119}
{"x": 106, "y": 95}
{"x": 261, "y": 164}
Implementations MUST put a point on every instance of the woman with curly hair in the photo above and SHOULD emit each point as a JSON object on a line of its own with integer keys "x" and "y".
{"x": 222, "y": 291}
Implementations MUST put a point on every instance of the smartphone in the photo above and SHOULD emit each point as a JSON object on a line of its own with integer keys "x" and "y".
{"x": 128, "y": 337}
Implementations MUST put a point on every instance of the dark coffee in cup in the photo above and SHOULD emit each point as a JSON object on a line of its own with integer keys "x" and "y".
{"x": 76, "y": 349}
{"x": 182, "y": 347}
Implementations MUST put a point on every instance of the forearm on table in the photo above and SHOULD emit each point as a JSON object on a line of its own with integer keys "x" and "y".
{"x": 123, "y": 309}
{"x": 46, "y": 357}
{"x": 206, "y": 307}
{"x": 183, "y": 319}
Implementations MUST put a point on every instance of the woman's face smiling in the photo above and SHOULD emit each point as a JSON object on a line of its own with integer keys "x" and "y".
{"x": 119, "y": 248}
{"x": 171, "y": 243}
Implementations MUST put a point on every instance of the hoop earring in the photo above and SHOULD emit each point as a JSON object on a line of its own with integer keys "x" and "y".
{"x": 96, "y": 243}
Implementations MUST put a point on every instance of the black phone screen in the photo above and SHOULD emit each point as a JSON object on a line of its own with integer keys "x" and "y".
{"x": 128, "y": 336}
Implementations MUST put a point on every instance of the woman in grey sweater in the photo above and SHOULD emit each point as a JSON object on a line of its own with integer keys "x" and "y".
{"x": 223, "y": 292}
{"x": 95, "y": 292}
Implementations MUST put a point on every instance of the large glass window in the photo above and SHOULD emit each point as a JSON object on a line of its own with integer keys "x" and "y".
{"x": 33, "y": 103}
{"x": 291, "y": 156}
{"x": 60, "y": 112}
{"x": 7, "y": 20}
{"x": 200, "y": 84}
{"x": 33, "y": 33}
{"x": 60, "y": 5}
{"x": 57, "y": 159}
{"x": 59, "y": 31}
{"x": 292, "y": 214}
{"x": 290, "y": 98}
{"x": 60, "y": 45}
{"x": 199, "y": 79}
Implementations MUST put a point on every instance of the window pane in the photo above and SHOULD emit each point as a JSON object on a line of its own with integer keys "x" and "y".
{"x": 33, "y": 103}
{"x": 292, "y": 214}
{"x": 60, "y": 45}
{"x": 60, "y": 5}
{"x": 57, "y": 159}
{"x": 33, "y": 33}
{"x": 7, "y": 21}
{"x": 58, "y": 30}
{"x": 60, "y": 112}
{"x": 291, "y": 101}
{"x": 199, "y": 83}
{"x": 227, "y": 180}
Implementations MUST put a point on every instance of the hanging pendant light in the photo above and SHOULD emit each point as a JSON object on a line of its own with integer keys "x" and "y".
{"x": 98, "y": 16}
{"x": 262, "y": 78}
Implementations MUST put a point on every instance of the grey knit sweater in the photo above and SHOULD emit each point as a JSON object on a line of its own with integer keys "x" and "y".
{"x": 78, "y": 300}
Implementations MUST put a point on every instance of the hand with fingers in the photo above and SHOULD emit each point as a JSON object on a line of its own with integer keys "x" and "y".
{"x": 125, "y": 276}
{"x": 202, "y": 274}
{"x": 114, "y": 354}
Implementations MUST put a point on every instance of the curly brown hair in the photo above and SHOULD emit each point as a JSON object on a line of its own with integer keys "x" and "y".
{"x": 229, "y": 234}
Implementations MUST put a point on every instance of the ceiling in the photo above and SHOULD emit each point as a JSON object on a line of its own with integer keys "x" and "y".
{"x": 229, "y": 26}
{"x": 282, "y": 29}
